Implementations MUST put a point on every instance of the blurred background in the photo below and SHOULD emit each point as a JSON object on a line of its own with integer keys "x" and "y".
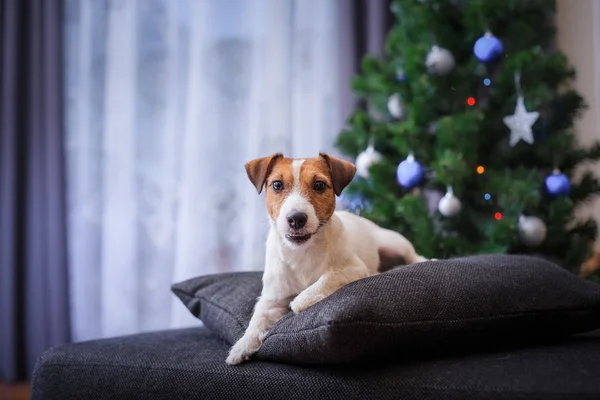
{"x": 125, "y": 126}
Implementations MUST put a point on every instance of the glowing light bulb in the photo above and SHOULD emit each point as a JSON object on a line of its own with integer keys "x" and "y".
{"x": 480, "y": 169}
{"x": 498, "y": 216}
{"x": 487, "y": 196}
{"x": 471, "y": 101}
{"x": 487, "y": 82}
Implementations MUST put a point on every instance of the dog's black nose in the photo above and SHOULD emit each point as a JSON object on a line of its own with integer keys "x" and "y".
{"x": 297, "y": 220}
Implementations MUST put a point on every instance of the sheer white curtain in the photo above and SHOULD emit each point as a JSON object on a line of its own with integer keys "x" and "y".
{"x": 166, "y": 101}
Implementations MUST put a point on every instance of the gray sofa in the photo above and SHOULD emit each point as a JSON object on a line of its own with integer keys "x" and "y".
{"x": 189, "y": 364}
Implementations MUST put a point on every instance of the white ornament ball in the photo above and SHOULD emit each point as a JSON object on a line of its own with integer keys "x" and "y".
{"x": 365, "y": 160}
{"x": 449, "y": 205}
{"x": 439, "y": 61}
{"x": 394, "y": 106}
{"x": 532, "y": 231}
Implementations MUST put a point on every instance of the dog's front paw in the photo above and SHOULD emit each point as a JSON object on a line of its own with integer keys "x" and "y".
{"x": 243, "y": 349}
{"x": 237, "y": 356}
{"x": 304, "y": 300}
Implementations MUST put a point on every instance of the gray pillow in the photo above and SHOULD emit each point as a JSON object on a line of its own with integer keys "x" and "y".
{"x": 416, "y": 310}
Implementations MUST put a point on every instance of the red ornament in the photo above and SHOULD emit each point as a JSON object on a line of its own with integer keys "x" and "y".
{"x": 498, "y": 216}
{"x": 471, "y": 101}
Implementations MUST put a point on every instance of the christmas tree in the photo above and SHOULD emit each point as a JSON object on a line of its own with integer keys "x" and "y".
{"x": 465, "y": 141}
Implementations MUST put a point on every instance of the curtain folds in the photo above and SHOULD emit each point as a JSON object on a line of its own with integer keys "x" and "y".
{"x": 34, "y": 312}
{"x": 165, "y": 102}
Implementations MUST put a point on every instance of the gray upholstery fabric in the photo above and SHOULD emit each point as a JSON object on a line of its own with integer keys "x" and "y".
{"x": 224, "y": 302}
{"x": 420, "y": 310}
{"x": 190, "y": 364}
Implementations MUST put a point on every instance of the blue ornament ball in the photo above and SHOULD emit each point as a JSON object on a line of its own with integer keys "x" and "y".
{"x": 401, "y": 75}
{"x": 353, "y": 202}
{"x": 558, "y": 184}
{"x": 488, "y": 48}
{"x": 410, "y": 173}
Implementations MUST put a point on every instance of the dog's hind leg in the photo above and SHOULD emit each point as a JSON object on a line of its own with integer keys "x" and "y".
{"x": 394, "y": 250}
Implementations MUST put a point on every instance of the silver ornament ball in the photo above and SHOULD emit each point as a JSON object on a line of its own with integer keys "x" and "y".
{"x": 365, "y": 160}
{"x": 440, "y": 61}
{"x": 532, "y": 231}
{"x": 449, "y": 205}
{"x": 394, "y": 106}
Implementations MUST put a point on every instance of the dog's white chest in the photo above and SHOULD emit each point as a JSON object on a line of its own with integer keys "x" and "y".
{"x": 305, "y": 265}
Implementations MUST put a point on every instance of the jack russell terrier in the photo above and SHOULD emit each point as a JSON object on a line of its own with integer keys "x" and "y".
{"x": 312, "y": 250}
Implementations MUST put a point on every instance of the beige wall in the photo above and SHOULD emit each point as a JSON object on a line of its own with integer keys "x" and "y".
{"x": 578, "y": 24}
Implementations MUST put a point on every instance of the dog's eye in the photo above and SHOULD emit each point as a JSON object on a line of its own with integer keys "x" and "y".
{"x": 319, "y": 186}
{"x": 277, "y": 186}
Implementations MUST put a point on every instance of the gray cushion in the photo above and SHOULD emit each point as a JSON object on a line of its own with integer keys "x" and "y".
{"x": 419, "y": 310}
{"x": 190, "y": 364}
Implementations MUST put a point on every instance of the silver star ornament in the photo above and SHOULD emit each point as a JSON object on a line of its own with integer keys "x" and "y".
{"x": 520, "y": 123}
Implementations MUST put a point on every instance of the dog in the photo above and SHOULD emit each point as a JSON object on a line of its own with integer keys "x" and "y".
{"x": 312, "y": 249}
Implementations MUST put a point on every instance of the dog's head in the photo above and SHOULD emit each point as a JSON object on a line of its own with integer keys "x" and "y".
{"x": 300, "y": 193}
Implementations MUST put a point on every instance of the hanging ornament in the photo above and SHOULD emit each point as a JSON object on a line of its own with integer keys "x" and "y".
{"x": 558, "y": 184}
{"x": 449, "y": 205}
{"x": 410, "y": 172}
{"x": 394, "y": 106}
{"x": 521, "y": 121}
{"x": 439, "y": 61}
{"x": 352, "y": 202}
{"x": 365, "y": 160}
{"x": 488, "y": 48}
{"x": 400, "y": 75}
{"x": 532, "y": 230}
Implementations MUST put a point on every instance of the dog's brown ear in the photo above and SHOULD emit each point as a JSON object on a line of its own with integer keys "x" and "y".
{"x": 342, "y": 172}
{"x": 259, "y": 169}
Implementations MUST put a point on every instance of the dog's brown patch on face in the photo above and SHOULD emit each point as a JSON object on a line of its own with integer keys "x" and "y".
{"x": 282, "y": 171}
{"x": 315, "y": 170}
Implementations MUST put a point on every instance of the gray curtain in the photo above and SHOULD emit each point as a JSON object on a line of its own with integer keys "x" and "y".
{"x": 33, "y": 270}
{"x": 367, "y": 24}
{"x": 34, "y": 291}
